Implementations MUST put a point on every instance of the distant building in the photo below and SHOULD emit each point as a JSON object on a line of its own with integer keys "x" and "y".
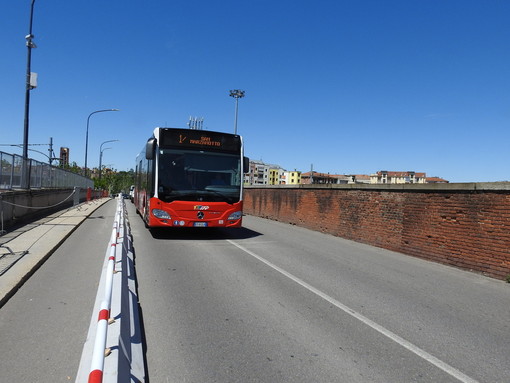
{"x": 388, "y": 177}
{"x": 263, "y": 174}
{"x": 312, "y": 177}
{"x": 358, "y": 179}
{"x": 64, "y": 157}
{"x": 326, "y": 178}
{"x": 276, "y": 176}
{"x": 258, "y": 174}
{"x": 268, "y": 174}
{"x": 292, "y": 178}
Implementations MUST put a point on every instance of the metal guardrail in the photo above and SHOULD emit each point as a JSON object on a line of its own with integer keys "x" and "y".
{"x": 14, "y": 169}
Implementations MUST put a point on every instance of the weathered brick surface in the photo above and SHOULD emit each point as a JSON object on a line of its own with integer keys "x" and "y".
{"x": 467, "y": 228}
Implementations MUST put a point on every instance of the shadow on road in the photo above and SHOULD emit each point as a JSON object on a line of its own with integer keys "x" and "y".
{"x": 200, "y": 234}
{"x": 98, "y": 217}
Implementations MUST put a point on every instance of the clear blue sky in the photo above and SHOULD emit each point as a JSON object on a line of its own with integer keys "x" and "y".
{"x": 351, "y": 87}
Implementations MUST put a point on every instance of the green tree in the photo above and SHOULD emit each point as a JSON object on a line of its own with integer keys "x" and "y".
{"x": 73, "y": 167}
{"x": 115, "y": 182}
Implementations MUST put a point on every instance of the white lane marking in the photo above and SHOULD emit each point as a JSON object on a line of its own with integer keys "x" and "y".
{"x": 382, "y": 330}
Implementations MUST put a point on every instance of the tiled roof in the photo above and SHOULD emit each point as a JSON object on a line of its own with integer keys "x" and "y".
{"x": 436, "y": 179}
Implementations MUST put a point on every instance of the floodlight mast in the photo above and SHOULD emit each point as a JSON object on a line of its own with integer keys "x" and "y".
{"x": 237, "y": 94}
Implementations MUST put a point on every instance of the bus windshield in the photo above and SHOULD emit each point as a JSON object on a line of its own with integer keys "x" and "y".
{"x": 193, "y": 175}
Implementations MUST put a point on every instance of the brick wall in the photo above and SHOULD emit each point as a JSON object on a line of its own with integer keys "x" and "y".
{"x": 462, "y": 225}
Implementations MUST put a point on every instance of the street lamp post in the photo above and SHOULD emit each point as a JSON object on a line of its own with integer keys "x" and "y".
{"x": 101, "y": 150}
{"x": 30, "y": 44}
{"x": 237, "y": 94}
{"x": 100, "y": 160}
{"x": 87, "y": 133}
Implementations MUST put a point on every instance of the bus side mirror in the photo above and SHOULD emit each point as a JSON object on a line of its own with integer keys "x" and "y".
{"x": 246, "y": 164}
{"x": 149, "y": 149}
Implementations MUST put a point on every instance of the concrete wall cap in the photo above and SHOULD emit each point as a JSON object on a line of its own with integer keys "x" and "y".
{"x": 461, "y": 187}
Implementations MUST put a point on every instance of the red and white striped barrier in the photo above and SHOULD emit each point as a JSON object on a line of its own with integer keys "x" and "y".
{"x": 100, "y": 350}
{"x": 96, "y": 373}
{"x": 113, "y": 352}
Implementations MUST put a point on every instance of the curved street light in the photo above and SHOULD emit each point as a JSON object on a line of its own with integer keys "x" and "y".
{"x": 87, "y": 133}
{"x": 101, "y": 150}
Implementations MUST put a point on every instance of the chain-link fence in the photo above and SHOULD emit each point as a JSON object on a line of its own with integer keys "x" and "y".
{"x": 18, "y": 173}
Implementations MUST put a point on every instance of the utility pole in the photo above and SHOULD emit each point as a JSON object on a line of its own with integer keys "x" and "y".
{"x": 51, "y": 154}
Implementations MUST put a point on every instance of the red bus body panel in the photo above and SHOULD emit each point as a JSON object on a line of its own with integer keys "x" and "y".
{"x": 193, "y": 214}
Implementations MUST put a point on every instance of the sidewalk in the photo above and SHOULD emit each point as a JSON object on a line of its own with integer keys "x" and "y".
{"x": 24, "y": 250}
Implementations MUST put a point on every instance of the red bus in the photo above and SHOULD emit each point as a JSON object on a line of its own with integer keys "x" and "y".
{"x": 190, "y": 178}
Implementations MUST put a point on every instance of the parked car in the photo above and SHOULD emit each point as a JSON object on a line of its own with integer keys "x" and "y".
{"x": 132, "y": 193}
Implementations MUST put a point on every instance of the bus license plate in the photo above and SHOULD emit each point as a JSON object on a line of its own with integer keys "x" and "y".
{"x": 200, "y": 224}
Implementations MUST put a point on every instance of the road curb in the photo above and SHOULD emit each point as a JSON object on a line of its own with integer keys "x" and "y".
{"x": 40, "y": 243}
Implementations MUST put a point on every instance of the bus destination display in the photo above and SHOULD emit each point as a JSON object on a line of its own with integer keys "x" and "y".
{"x": 199, "y": 139}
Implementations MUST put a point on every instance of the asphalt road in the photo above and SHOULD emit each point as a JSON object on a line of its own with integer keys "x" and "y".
{"x": 266, "y": 303}
{"x": 44, "y": 325}
{"x": 276, "y": 303}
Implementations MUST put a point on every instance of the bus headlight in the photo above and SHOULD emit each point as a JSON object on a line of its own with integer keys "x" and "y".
{"x": 160, "y": 214}
{"x": 235, "y": 215}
